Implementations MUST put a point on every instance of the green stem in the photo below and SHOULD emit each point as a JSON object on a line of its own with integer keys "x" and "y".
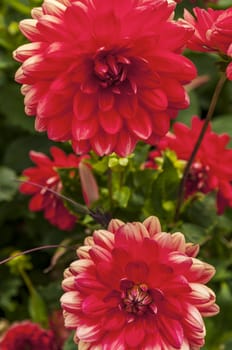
{"x": 110, "y": 187}
{"x": 27, "y": 281}
{"x": 209, "y": 115}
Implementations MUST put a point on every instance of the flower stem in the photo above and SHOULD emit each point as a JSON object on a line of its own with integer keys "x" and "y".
{"x": 97, "y": 215}
{"x": 27, "y": 281}
{"x": 28, "y": 251}
{"x": 209, "y": 115}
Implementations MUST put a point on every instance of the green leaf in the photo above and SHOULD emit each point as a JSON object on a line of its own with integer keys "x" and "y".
{"x": 37, "y": 309}
{"x": 222, "y": 124}
{"x": 9, "y": 289}
{"x": 122, "y": 196}
{"x": 8, "y": 184}
{"x": 201, "y": 211}
{"x": 164, "y": 190}
{"x": 17, "y": 152}
{"x": 19, "y": 7}
{"x": 69, "y": 344}
{"x": 14, "y": 112}
{"x": 185, "y": 116}
{"x": 193, "y": 233}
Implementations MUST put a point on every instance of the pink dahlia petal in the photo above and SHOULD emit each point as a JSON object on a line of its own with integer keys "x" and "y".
{"x": 93, "y": 306}
{"x": 84, "y": 129}
{"x": 113, "y": 299}
{"x": 59, "y": 130}
{"x": 174, "y": 333}
{"x": 156, "y": 99}
{"x": 95, "y": 70}
{"x": 152, "y": 225}
{"x": 103, "y": 143}
{"x": 104, "y": 238}
{"x": 134, "y": 334}
{"x": 29, "y": 29}
{"x": 88, "y": 333}
{"x": 114, "y": 225}
{"x": 110, "y": 121}
{"x": 143, "y": 127}
{"x": 178, "y": 241}
{"x": 125, "y": 143}
{"x": 82, "y": 107}
{"x": 106, "y": 100}
{"x": 229, "y": 71}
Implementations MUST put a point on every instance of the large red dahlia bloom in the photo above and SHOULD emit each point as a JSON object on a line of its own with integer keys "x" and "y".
{"x": 211, "y": 169}
{"x": 104, "y": 74}
{"x": 136, "y": 287}
{"x": 45, "y": 174}
{"x": 27, "y": 336}
{"x": 213, "y": 32}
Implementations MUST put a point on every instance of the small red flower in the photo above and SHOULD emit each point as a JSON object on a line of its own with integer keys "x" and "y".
{"x": 27, "y": 336}
{"x": 136, "y": 287}
{"x": 104, "y": 74}
{"x": 213, "y": 32}
{"x": 211, "y": 169}
{"x": 45, "y": 174}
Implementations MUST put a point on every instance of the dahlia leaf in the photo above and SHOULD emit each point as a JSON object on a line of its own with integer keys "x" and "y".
{"x": 194, "y": 233}
{"x": 69, "y": 344}
{"x": 185, "y": 116}
{"x": 14, "y": 112}
{"x": 8, "y": 184}
{"x": 122, "y": 196}
{"x": 164, "y": 189}
{"x": 223, "y": 123}
{"x": 37, "y": 309}
{"x": 202, "y": 212}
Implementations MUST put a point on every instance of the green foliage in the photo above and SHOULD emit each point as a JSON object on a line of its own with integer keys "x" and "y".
{"x": 37, "y": 309}
{"x": 161, "y": 201}
{"x": 8, "y": 184}
{"x": 9, "y": 289}
{"x": 69, "y": 344}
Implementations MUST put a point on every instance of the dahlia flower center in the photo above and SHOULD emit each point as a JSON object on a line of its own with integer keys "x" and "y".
{"x": 197, "y": 178}
{"x": 136, "y": 299}
{"x": 110, "y": 69}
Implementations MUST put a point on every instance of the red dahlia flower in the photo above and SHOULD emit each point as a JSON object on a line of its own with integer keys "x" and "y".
{"x": 104, "y": 74}
{"x": 27, "y": 336}
{"x": 213, "y": 32}
{"x": 45, "y": 174}
{"x": 136, "y": 287}
{"x": 211, "y": 169}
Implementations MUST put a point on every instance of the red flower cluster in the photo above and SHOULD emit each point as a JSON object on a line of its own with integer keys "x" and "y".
{"x": 213, "y": 33}
{"x": 136, "y": 287}
{"x": 104, "y": 74}
{"x": 27, "y": 336}
{"x": 45, "y": 174}
{"x": 211, "y": 169}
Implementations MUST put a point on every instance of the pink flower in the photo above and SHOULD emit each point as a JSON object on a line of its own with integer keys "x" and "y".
{"x": 213, "y": 32}
{"x": 136, "y": 287}
{"x": 45, "y": 174}
{"x": 211, "y": 169}
{"x": 104, "y": 74}
{"x": 27, "y": 335}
